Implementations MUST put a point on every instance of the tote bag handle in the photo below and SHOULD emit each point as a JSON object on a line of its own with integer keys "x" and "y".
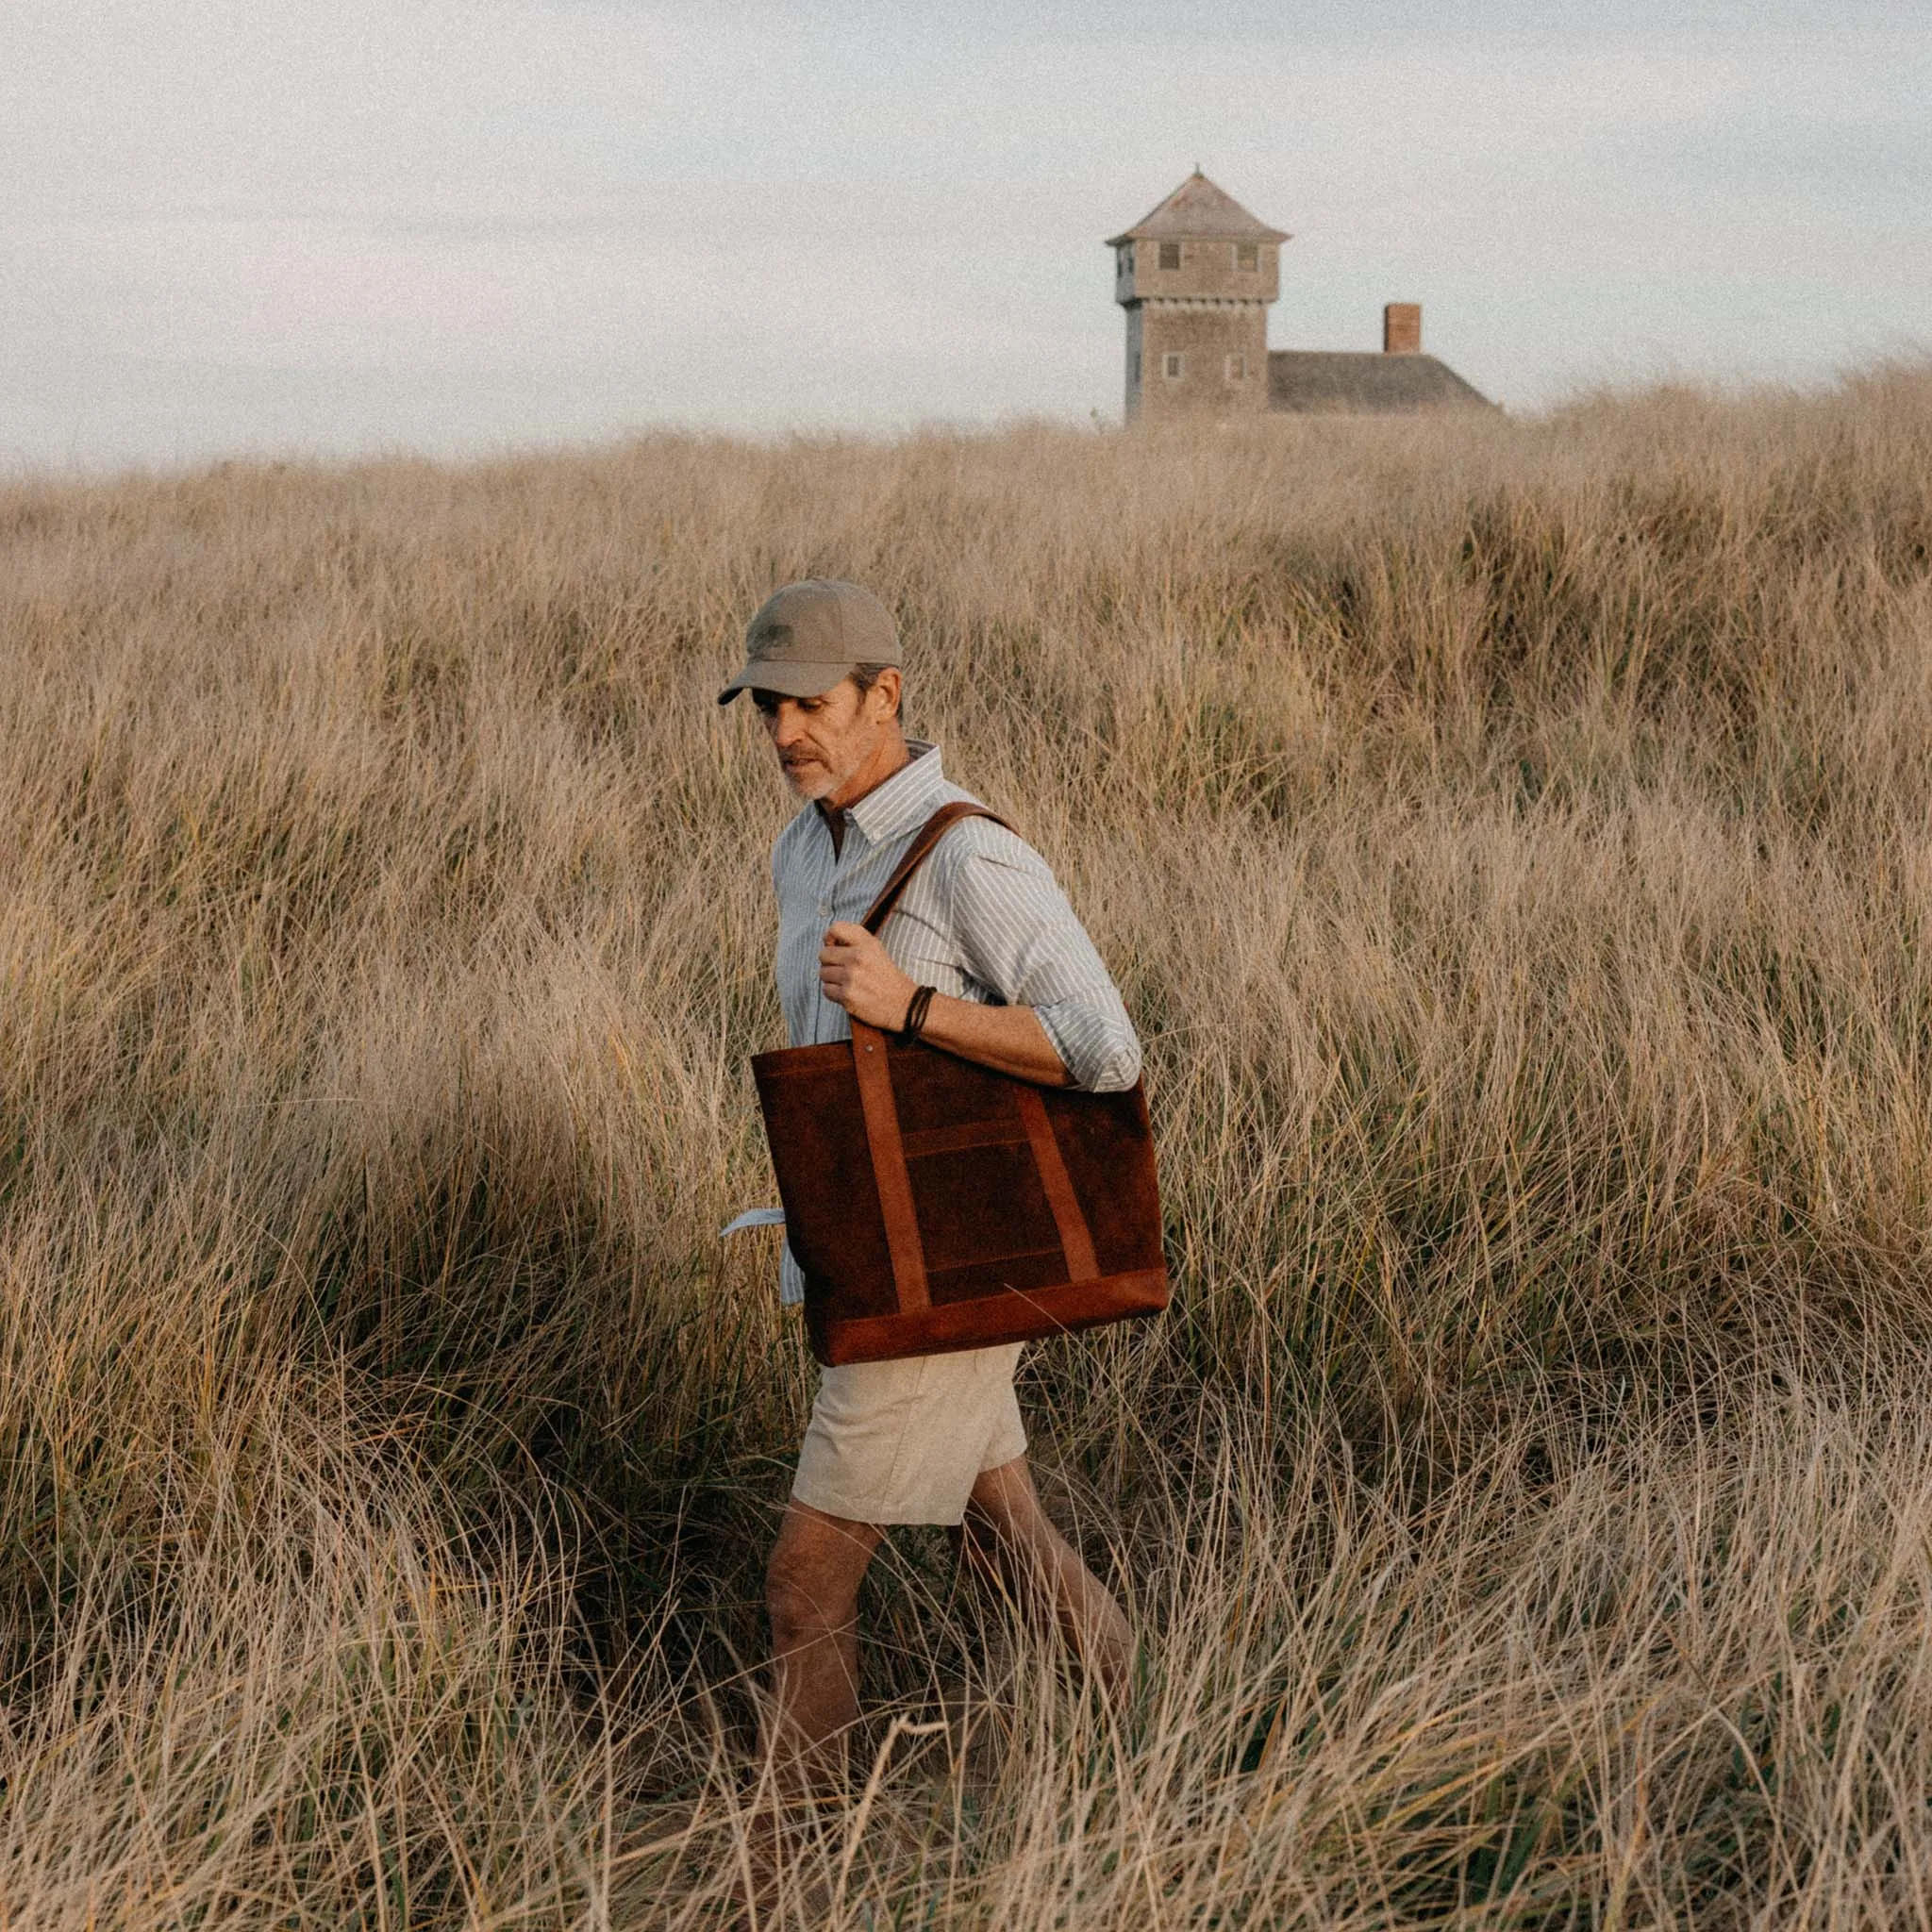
{"x": 881, "y": 1111}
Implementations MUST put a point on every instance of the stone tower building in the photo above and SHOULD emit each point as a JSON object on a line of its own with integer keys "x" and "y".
{"x": 1196, "y": 278}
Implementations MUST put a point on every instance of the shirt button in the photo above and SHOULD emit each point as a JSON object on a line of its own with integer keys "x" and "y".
{"x": 825, "y": 909}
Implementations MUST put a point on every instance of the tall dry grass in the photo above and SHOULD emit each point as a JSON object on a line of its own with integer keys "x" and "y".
{"x": 1513, "y": 840}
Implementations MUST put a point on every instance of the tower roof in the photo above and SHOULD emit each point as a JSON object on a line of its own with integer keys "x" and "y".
{"x": 1198, "y": 210}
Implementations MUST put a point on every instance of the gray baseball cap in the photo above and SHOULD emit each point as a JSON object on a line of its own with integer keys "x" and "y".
{"x": 809, "y": 635}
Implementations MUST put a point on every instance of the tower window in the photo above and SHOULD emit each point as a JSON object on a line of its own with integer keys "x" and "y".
{"x": 1171, "y": 364}
{"x": 1236, "y": 369}
{"x": 1170, "y": 255}
{"x": 1247, "y": 254}
{"x": 1134, "y": 368}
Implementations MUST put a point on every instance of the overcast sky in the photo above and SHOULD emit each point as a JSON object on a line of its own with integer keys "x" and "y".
{"x": 453, "y": 225}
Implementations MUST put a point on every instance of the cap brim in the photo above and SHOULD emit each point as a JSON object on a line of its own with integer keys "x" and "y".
{"x": 788, "y": 680}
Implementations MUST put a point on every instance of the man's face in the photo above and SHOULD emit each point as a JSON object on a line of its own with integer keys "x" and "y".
{"x": 822, "y": 743}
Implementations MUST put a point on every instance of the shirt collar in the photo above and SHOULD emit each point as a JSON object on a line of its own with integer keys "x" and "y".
{"x": 906, "y": 800}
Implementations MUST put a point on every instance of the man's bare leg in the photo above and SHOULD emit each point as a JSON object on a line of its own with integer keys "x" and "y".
{"x": 1007, "y": 1535}
{"x": 812, "y": 1592}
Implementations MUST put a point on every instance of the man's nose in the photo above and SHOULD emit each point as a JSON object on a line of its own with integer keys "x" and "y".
{"x": 788, "y": 723}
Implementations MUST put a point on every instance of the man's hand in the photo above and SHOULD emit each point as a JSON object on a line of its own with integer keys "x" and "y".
{"x": 856, "y": 972}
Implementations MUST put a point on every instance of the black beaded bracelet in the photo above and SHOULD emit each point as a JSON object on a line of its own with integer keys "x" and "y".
{"x": 916, "y": 1009}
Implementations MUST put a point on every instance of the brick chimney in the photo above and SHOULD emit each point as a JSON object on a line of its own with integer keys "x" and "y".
{"x": 1402, "y": 328}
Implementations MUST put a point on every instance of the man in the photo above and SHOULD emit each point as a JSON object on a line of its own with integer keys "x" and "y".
{"x": 936, "y": 1439}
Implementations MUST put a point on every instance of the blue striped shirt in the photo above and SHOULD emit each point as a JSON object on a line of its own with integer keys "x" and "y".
{"x": 982, "y": 918}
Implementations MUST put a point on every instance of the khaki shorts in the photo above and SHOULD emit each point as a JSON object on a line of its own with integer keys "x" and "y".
{"x": 905, "y": 1441}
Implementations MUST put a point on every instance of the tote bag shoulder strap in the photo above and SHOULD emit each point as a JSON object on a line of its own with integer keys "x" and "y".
{"x": 929, "y": 835}
{"x": 880, "y": 1109}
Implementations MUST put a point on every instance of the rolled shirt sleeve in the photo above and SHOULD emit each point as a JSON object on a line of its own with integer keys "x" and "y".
{"x": 1021, "y": 939}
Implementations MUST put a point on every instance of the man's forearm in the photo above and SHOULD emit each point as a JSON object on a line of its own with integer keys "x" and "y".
{"x": 857, "y": 973}
{"x": 1011, "y": 1040}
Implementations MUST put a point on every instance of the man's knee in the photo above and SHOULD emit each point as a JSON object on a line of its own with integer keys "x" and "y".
{"x": 800, "y": 1605}
{"x": 1004, "y": 1504}
{"x": 810, "y": 1592}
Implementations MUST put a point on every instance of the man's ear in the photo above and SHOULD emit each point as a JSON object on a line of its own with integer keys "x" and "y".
{"x": 888, "y": 688}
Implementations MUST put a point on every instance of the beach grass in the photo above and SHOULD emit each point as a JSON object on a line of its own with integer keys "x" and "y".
{"x": 1513, "y": 839}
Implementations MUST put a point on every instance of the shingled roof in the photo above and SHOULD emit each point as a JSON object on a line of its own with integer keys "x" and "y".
{"x": 1347, "y": 382}
{"x": 1199, "y": 210}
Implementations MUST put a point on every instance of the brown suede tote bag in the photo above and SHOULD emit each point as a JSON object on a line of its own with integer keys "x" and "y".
{"x": 935, "y": 1205}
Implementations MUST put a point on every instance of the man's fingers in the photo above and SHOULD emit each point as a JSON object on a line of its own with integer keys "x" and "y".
{"x": 849, "y": 962}
{"x": 844, "y": 945}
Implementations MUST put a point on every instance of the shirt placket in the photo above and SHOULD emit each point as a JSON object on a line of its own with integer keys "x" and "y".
{"x": 834, "y": 889}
